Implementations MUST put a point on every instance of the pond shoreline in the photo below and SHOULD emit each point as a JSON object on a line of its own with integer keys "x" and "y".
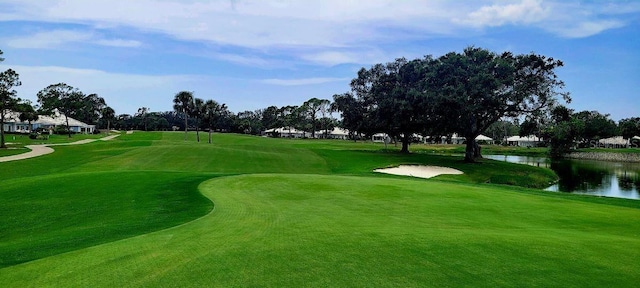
{"x": 605, "y": 156}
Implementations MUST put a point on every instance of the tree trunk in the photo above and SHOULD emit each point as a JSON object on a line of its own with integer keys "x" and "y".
{"x": 68, "y": 128}
{"x": 2, "y": 144}
{"x": 210, "y": 135}
{"x": 108, "y": 126}
{"x": 197, "y": 132}
{"x": 185, "y": 127}
{"x": 405, "y": 144}
{"x": 472, "y": 151}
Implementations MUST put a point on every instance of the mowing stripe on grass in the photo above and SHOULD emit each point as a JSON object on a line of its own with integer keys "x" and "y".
{"x": 311, "y": 230}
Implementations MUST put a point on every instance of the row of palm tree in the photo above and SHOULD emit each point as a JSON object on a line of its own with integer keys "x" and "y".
{"x": 208, "y": 111}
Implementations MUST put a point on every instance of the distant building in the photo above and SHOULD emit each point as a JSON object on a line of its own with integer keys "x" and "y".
{"x": 286, "y": 132}
{"x": 456, "y": 139}
{"x": 12, "y": 123}
{"x": 381, "y": 138}
{"x": 336, "y": 133}
{"x": 528, "y": 141}
{"x": 613, "y": 142}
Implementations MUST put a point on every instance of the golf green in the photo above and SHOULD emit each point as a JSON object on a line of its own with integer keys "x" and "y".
{"x": 150, "y": 209}
{"x": 311, "y": 230}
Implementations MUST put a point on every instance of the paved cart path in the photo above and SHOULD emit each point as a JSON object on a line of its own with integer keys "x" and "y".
{"x": 44, "y": 149}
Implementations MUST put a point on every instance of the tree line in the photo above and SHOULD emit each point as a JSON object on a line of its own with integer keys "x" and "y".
{"x": 564, "y": 129}
{"x": 468, "y": 93}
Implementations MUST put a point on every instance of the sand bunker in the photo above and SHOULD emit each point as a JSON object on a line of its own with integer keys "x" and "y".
{"x": 419, "y": 171}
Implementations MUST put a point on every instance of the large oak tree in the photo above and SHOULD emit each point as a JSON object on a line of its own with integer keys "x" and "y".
{"x": 61, "y": 97}
{"x": 477, "y": 87}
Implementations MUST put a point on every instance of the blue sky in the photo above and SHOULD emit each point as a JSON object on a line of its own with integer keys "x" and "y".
{"x": 251, "y": 54}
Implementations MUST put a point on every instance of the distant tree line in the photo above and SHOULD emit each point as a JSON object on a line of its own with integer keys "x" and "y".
{"x": 469, "y": 93}
{"x": 563, "y": 129}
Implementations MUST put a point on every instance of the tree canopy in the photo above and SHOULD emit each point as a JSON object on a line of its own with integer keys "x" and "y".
{"x": 183, "y": 103}
{"x": 8, "y": 96}
{"x": 62, "y": 97}
{"x": 461, "y": 93}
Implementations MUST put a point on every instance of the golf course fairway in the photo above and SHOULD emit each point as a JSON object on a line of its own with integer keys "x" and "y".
{"x": 287, "y": 213}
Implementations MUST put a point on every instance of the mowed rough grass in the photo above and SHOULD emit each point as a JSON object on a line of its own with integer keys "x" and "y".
{"x": 297, "y": 213}
{"x": 335, "y": 231}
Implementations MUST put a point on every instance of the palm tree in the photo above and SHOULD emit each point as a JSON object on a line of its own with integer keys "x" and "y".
{"x": 142, "y": 113}
{"x": 196, "y": 112}
{"x": 211, "y": 113}
{"x": 182, "y": 103}
{"x": 108, "y": 114}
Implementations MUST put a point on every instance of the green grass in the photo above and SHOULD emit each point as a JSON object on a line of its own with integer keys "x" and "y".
{"x": 298, "y": 213}
{"x": 56, "y": 214}
{"x": 16, "y": 142}
{"x": 335, "y": 231}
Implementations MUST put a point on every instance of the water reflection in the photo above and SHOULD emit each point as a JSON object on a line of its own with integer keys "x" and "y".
{"x": 600, "y": 178}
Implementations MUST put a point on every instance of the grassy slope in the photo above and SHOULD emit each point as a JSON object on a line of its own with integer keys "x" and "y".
{"x": 159, "y": 157}
{"x": 292, "y": 231}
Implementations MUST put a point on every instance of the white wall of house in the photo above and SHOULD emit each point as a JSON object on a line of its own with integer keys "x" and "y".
{"x": 13, "y": 125}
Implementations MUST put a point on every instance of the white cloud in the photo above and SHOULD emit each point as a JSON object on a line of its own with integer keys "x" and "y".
{"x": 364, "y": 55}
{"x": 49, "y": 39}
{"x": 327, "y": 32}
{"x": 564, "y": 18}
{"x": 119, "y": 43}
{"x": 123, "y": 92}
{"x": 243, "y": 60}
{"x": 587, "y": 28}
{"x": 329, "y": 23}
{"x": 59, "y": 38}
{"x": 527, "y": 11}
{"x": 302, "y": 81}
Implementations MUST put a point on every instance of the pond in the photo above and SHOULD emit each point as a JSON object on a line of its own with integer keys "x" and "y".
{"x": 598, "y": 178}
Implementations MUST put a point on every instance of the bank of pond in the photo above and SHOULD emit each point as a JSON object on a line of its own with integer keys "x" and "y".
{"x": 590, "y": 177}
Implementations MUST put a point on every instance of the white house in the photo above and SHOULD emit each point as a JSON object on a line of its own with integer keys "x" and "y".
{"x": 456, "y": 139}
{"x": 13, "y": 124}
{"x": 528, "y": 141}
{"x": 287, "y": 132}
{"x": 381, "y": 138}
{"x": 336, "y": 133}
{"x": 613, "y": 142}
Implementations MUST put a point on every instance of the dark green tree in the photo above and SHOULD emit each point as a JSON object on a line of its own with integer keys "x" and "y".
{"x": 315, "y": 107}
{"x": 502, "y": 129}
{"x": 395, "y": 97}
{"x": 211, "y": 114}
{"x": 89, "y": 109}
{"x": 289, "y": 116}
{"x": 196, "y": 112}
{"x": 8, "y": 97}
{"x": 271, "y": 117}
{"x": 562, "y": 131}
{"x": 27, "y": 113}
{"x": 477, "y": 87}
{"x": 629, "y": 127}
{"x": 108, "y": 115}
{"x": 142, "y": 115}
{"x": 596, "y": 126}
{"x": 183, "y": 103}
{"x": 61, "y": 97}
{"x": 353, "y": 113}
